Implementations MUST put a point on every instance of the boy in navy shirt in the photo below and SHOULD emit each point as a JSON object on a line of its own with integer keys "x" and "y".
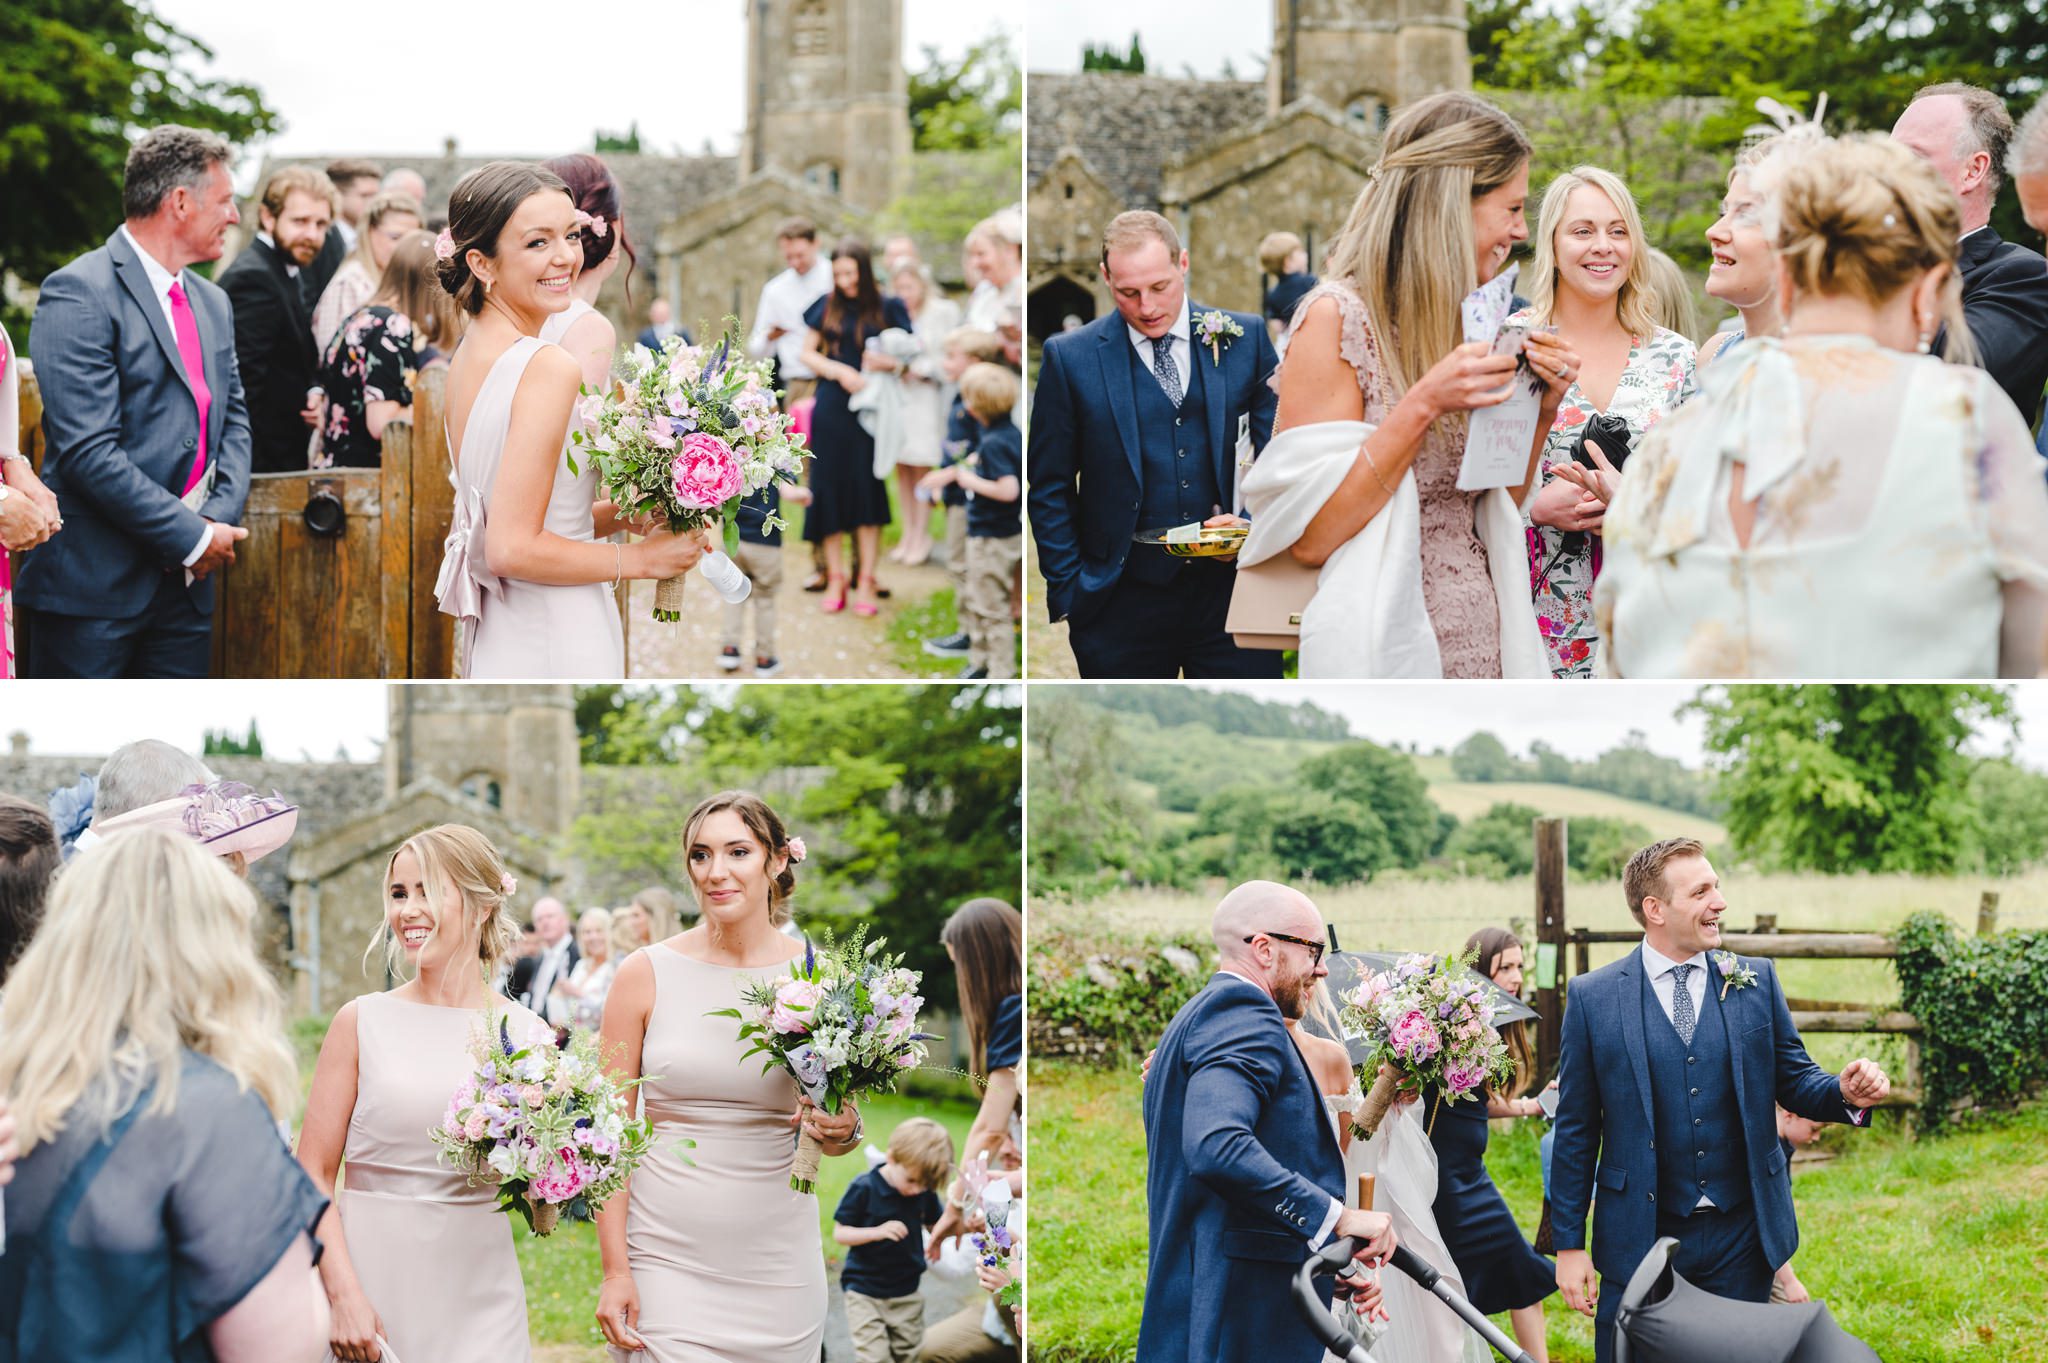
{"x": 881, "y": 1220}
{"x": 994, "y": 482}
{"x": 760, "y": 558}
{"x": 965, "y": 346}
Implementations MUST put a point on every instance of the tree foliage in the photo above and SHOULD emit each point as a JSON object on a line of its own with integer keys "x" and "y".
{"x": 1225, "y": 712}
{"x": 1090, "y": 823}
{"x": 1482, "y": 757}
{"x": 82, "y": 78}
{"x": 2012, "y": 815}
{"x": 1385, "y": 782}
{"x": 223, "y": 743}
{"x": 1837, "y": 777}
{"x": 969, "y": 103}
{"x": 1104, "y": 57}
{"x": 628, "y": 141}
{"x": 910, "y": 797}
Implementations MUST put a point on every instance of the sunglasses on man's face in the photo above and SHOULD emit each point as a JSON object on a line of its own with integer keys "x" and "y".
{"x": 1315, "y": 949}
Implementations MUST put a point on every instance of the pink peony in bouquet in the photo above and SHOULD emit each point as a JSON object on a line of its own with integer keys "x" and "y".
{"x": 546, "y": 1125}
{"x": 686, "y": 433}
{"x": 1427, "y": 1022}
{"x": 842, "y": 1022}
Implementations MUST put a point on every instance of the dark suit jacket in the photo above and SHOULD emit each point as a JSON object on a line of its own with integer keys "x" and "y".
{"x": 1084, "y": 463}
{"x": 333, "y": 251}
{"x": 1241, "y": 1164}
{"x": 274, "y": 342}
{"x": 525, "y": 994}
{"x": 123, "y": 431}
{"x": 1607, "y": 1126}
{"x": 520, "y": 983}
{"x": 2005, "y": 299}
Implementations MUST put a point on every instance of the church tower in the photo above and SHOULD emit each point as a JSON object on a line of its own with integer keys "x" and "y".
{"x": 828, "y": 98}
{"x": 513, "y": 747}
{"x": 1366, "y": 57}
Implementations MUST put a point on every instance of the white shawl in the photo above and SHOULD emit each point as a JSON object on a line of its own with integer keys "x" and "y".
{"x": 1367, "y": 617}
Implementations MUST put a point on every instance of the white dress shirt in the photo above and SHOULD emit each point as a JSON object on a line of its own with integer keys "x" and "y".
{"x": 1322, "y": 1235}
{"x": 291, "y": 270}
{"x": 348, "y": 234}
{"x": 1177, "y": 339}
{"x": 784, "y": 301}
{"x": 1659, "y": 967}
{"x": 553, "y": 966}
{"x": 160, "y": 281}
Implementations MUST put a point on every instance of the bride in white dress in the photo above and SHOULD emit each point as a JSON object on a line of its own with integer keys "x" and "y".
{"x": 527, "y": 570}
{"x": 1400, "y": 1162}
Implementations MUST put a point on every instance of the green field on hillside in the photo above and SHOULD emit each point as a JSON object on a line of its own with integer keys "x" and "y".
{"x": 1470, "y": 799}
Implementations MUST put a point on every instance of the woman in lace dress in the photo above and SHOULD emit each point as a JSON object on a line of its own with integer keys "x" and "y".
{"x": 1834, "y": 504}
{"x": 1590, "y": 280}
{"x": 1417, "y": 578}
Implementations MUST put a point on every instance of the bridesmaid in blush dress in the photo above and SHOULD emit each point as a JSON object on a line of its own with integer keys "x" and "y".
{"x": 420, "y": 1267}
{"x": 709, "y": 1256}
{"x": 525, "y": 567}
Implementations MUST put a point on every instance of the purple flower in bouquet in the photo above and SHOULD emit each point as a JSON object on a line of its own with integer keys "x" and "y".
{"x": 1462, "y": 1079}
{"x": 707, "y": 472}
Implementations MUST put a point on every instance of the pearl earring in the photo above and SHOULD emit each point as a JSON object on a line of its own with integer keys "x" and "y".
{"x": 1926, "y": 339}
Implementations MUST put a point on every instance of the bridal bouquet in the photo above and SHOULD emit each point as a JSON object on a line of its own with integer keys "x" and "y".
{"x": 1428, "y": 1021}
{"x": 842, "y": 1022}
{"x": 688, "y": 432}
{"x": 546, "y": 1125}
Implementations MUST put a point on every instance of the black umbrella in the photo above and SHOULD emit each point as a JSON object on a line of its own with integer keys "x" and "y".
{"x": 1348, "y": 970}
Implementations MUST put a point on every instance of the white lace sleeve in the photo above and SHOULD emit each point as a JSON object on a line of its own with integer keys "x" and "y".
{"x": 1345, "y": 1104}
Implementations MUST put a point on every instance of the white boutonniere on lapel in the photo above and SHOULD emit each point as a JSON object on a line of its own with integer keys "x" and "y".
{"x": 1216, "y": 329}
{"x": 1734, "y": 974}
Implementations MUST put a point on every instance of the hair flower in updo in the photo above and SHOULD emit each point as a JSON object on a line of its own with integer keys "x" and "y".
{"x": 596, "y": 224}
{"x": 444, "y": 246}
{"x": 508, "y": 885}
{"x": 797, "y": 851}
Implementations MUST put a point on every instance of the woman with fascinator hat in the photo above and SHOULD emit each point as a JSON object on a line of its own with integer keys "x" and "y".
{"x": 420, "y": 1266}
{"x": 1837, "y": 502}
{"x": 227, "y": 819}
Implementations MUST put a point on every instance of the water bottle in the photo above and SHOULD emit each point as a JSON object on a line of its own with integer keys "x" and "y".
{"x": 725, "y": 576}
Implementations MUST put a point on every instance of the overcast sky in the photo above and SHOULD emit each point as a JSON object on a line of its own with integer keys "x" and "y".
{"x": 1579, "y": 721}
{"x": 515, "y": 76}
{"x": 1176, "y": 34}
{"x": 297, "y": 719}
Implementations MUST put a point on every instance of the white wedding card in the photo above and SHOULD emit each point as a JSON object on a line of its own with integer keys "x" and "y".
{"x": 1497, "y": 447}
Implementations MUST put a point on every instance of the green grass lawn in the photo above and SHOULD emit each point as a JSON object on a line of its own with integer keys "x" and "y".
{"x": 1930, "y": 1249}
{"x": 562, "y": 1271}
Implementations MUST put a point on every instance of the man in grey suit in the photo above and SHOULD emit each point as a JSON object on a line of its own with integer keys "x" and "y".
{"x": 148, "y": 435}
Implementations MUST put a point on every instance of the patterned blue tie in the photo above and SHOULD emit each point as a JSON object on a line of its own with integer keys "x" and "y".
{"x": 1681, "y": 1003}
{"x": 1166, "y": 369}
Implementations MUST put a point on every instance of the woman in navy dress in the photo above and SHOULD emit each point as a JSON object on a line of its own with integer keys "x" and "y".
{"x": 846, "y": 496}
{"x": 1502, "y": 1271}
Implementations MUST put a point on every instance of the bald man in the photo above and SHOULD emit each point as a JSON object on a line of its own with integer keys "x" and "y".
{"x": 1244, "y": 1179}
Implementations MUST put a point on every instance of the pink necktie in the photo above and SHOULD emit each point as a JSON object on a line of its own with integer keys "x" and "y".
{"x": 187, "y": 328}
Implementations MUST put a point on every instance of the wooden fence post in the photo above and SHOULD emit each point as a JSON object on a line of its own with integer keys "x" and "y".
{"x": 1550, "y": 941}
{"x": 1987, "y": 913}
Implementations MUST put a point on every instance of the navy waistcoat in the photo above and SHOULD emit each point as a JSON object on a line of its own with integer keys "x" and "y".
{"x": 1700, "y": 1147}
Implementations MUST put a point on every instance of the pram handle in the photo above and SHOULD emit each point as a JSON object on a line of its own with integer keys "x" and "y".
{"x": 1332, "y": 1259}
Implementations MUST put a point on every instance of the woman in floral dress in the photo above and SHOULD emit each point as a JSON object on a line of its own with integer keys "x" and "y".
{"x": 1588, "y": 281}
{"x": 370, "y": 365}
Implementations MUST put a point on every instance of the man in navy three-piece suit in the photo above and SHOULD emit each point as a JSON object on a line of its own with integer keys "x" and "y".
{"x": 1673, "y": 1059}
{"x": 1134, "y": 427}
{"x": 1243, "y": 1178}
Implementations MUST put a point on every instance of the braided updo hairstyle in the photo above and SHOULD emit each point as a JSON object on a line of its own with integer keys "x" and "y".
{"x": 767, "y": 828}
{"x": 483, "y": 202}
{"x": 1863, "y": 216}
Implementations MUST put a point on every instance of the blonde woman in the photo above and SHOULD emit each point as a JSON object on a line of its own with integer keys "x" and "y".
{"x": 1591, "y": 280}
{"x": 578, "y": 1001}
{"x": 155, "y": 1212}
{"x": 1418, "y": 579}
{"x": 712, "y": 1258}
{"x": 386, "y": 222}
{"x": 1838, "y": 503}
{"x": 1744, "y": 273}
{"x": 417, "y": 1261}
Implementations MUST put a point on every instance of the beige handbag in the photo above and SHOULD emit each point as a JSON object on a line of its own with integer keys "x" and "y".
{"x": 1266, "y": 602}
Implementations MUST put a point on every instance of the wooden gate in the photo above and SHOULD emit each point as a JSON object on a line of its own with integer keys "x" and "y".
{"x": 336, "y": 578}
